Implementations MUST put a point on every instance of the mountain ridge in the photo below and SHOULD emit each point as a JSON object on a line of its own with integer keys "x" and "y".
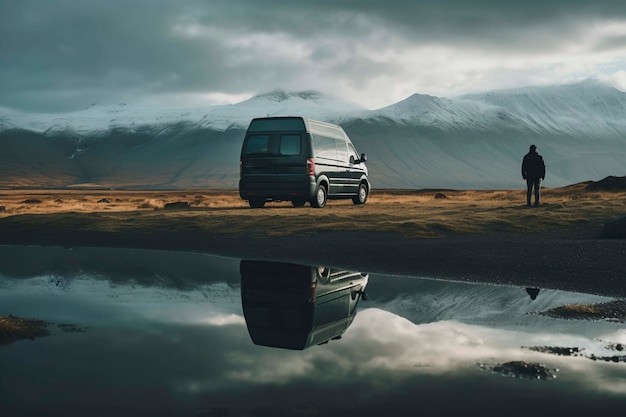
{"x": 423, "y": 141}
{"x": 530, "y": 106}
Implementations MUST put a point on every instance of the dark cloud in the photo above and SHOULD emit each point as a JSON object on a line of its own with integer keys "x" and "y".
{"x": 64, "y": 54}
{"x": 66, "y": 49}
{"x": 494, "y": 22}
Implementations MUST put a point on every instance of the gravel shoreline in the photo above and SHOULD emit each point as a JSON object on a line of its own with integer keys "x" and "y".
{"x": 575, "y": 260}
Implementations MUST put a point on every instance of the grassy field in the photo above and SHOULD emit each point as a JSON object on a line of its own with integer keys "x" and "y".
{"x": 413, "y": 213}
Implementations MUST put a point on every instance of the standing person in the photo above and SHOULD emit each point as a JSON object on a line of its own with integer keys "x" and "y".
{"x": 533, "y": 171}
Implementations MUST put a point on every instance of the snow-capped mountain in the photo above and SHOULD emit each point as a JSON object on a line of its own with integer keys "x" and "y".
{"x": 588, "y": 108}
{"x": 472, "y": 141}
{"x": 100, "y": 117}
{"x": 446, "y": 114}
{"x": 312, "y": 104}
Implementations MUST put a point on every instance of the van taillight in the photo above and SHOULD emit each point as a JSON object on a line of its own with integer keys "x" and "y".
{"x": 240, "y": 169}
{"x": 310, "y": 167}
{"x": 313, "y": 289}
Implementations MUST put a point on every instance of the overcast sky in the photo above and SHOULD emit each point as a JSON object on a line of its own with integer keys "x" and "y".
{"x": 63, "y": 55}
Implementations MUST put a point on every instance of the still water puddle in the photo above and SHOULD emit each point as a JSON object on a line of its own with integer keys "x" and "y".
{"x": 134, "y": 332}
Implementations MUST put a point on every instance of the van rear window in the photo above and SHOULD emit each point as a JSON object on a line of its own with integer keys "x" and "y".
{"x": 290, "y": 145}
{"x": 257, "y": 144}
{"x": 273, "y": 145}
{"x": 276, "y": 125}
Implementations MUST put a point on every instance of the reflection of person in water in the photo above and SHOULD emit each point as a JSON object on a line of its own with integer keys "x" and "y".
{"x": 533, "y": 292}
{"x": 533, "y": 171}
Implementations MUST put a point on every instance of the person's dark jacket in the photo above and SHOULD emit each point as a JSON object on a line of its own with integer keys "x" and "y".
{"x": 533, "y": 167}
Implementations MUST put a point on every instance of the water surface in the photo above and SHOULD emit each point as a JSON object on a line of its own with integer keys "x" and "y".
{"x": 162, "y": 333}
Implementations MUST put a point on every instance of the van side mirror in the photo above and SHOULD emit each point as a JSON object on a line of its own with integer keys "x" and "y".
{"x": 362, "y": 159}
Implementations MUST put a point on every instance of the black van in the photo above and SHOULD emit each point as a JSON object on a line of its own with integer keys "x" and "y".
{"x": 298, "y": 159}
{"x": 294, "y": 307}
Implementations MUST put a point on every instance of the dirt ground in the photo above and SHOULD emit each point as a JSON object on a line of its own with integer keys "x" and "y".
{"x": 482, "y": 236}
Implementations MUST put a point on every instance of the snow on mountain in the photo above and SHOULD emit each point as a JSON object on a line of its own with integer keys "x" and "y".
{"x": 312, "y": 104}
{"x": 448, "y": 114}
{"x": 587, "y": 108}
{"x": 103, "y": 117}
{"x": 100, "y": 117}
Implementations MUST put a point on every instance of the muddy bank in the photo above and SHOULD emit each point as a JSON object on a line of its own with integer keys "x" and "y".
{"x": 576, "y": 259}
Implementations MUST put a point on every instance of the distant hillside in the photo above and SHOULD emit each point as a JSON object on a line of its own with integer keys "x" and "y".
{"x": 474, "y": 141}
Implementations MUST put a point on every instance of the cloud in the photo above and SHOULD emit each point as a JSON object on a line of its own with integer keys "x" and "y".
{"x": 66, "y": 54}
{"x": 618, "y": 79}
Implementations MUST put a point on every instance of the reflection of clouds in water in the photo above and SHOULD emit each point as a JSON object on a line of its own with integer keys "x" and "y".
{"x": 389, "y": 342}
{"x": 224, "y": 319}
{"x": 606, "y": 378}
{"x": 618, "y": 337}
{"x": 382, "y": 357}
{"x": 377, "y": 343}
{"x": 381, "y": 345}
{"x": 449, "y": 346}
{"x": 268, "y": 368}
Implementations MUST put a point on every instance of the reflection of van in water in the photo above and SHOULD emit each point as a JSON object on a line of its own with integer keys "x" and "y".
{"x": 297, "y": 159}
{"x": 295, "y": 306}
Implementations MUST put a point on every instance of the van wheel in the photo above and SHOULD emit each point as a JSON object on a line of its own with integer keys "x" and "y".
{"x": 361, "y": 196}
{"x": 324, "y": 274}
{"x": 256, "y": 203}
{"x": 319, "y": 200}
{"x": 298, "y": 203}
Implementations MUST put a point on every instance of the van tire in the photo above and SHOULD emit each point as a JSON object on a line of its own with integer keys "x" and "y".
{"x": 361, "y": 196}
{"x": 298, "y": 202}
{"x": 323, "y": 274}
{"x": 256, "y": 203}
{"x": 319, "y": 200}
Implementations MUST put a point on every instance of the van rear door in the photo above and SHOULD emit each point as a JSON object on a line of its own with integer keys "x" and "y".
{"x": 257, "y": 161}
{"x": 274, "y": 163}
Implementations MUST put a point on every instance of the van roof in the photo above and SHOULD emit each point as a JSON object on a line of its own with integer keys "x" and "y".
{"x": 287, "y": 123}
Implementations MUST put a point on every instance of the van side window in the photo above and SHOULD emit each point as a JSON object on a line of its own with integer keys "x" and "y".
{"x": 257, "y": 144}
{"x": 352, "y": 154}
{"x": 290, "y": 145}
{"x": 324, "y": 148}
{"x": 342, "y": 151}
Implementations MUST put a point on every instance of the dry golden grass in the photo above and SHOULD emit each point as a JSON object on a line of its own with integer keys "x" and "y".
{"x": 15, "y": 328}
{"x": 90, "y": 201}
{"x": 612, "y": 310}
{"x": 412, "y": 213}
